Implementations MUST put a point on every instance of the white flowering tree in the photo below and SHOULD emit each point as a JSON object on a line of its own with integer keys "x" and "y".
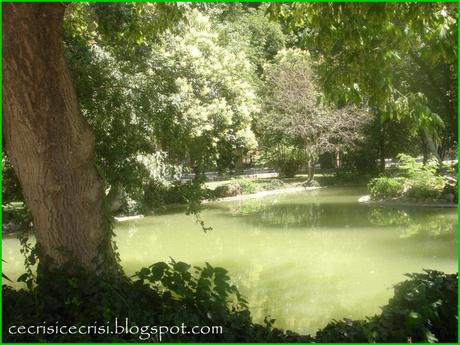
{"x": 186, "y": 93}
{"x": 207, "y": 99}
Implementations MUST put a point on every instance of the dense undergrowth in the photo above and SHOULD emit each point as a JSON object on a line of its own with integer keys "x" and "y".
{"x": 157, "y": 195}
{"x": 423, "y": 309}
{"x": 162, "y": 294}
{"x": 415, "y": 181}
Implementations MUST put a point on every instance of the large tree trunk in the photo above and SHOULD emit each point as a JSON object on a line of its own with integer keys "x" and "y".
{"x": 48, "y": 141}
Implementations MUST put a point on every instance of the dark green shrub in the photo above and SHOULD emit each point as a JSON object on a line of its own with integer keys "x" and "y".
{"x": 231, "y": 189}
{"x": 347, "y": 331}
{"x": 157, "y": 194}
{"x": 413, "y": 180}
{"x": 423, "y": 309}
{"x": 424, "y": 181}
{"x": 162, "y": 294}
{"x": 386, "y": 187}
{"x": 154, "y": 195}
{"x": 247, "y": 186}
{"x": 426, "y": 187}
{"x": 285, "y": 158}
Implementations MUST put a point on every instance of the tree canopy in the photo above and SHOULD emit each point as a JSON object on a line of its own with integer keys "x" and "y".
{"x": 400, "y": 58}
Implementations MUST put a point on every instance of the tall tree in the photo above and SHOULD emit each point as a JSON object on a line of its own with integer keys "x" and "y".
{"x": 294, "y": 116}
{"x": 363, "y": 48}
{"x": 48, "y": 142}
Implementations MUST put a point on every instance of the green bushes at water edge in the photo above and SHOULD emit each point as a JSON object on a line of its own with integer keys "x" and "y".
{"x": 162, "y": 294}
{"x": 156, "y": 195}
{"x": 246, "y": 186}
{"x": 386, "y": 187}
{"x": 424, "y": 308}
{"x": 414, "y": 181}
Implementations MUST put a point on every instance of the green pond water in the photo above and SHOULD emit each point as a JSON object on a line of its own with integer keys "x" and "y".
{"x": 302, "y": 258}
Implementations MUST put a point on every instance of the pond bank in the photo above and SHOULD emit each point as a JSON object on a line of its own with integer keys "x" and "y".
{"x": 366, "y": 199}
{"x": 264, "y": 194}
{"x": 240, "y": 197}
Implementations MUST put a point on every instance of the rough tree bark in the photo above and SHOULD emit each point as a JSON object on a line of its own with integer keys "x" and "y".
{"x": 47, "y": 140}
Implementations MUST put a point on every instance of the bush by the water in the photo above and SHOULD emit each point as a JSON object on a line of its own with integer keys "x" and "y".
{"x": 226, "y": 190}
{"x": 423, "y": 309}
{"x": 386, "y": 187}
{"x": 156, "y": 194}
{"x": 412, "y": 180}
{"x": 246, "y": 186}
{"x": 162, "y": 294}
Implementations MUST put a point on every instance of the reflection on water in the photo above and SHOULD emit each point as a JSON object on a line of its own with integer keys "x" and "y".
{"x": 419, "y": 222}
{"x": 302, "y": 258}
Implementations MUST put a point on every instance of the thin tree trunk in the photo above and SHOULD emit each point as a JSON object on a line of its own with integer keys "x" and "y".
{"x": 311, "y": 171}
{"x": 337, "y": 159}
{"x": 382, "y": 147}
{"x": 48, "y": 141}
{"x": 425, "y": 151}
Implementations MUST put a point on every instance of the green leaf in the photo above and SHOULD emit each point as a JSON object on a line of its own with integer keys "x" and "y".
{"x": 158, "y": 270}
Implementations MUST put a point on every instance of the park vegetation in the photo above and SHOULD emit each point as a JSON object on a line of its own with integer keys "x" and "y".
{"x": 109, "y": 106}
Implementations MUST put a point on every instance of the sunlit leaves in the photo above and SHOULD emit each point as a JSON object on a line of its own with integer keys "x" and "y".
{"x": 360, "y": 47}
{"x": 296, "y": 125}
{"x": 207, "y": 97}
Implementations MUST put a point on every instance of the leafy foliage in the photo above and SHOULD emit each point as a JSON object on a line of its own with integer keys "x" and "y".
{"x": 170, "y": 87}
{"x": 162, "y": 97}
{"x": 423, "y": 309}
{"x": 249, "y": 29}
{"x": 413, "y": 180}
{"x": 245, "y": 186}
{"x": 207, "y": 99}
{"x": 296, "y": 127}
{"x": 16, "y": 217}
{"x": 424, "y": 180}
{"x": 11, "y": 189}
{"x": 409, "y": 52}
{"x": 162, "y": 294}
{"x": 386, "y": 187}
